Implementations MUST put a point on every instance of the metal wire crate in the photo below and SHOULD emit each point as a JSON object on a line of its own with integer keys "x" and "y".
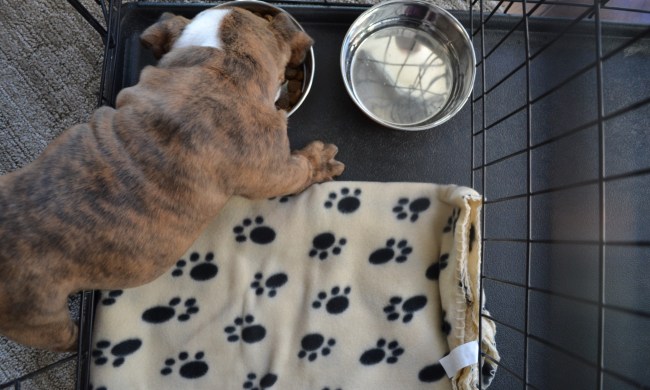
{"x": 556, "y": 136}
{"x": 561, "y": 129}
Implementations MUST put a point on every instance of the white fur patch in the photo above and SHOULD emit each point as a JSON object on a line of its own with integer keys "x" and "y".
{"x": 203, "y": 30}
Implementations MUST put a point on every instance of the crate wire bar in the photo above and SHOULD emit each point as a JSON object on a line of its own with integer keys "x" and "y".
{"x": 83, "y": 11}
{"x": 535, "y": 296}
{"x": 485, "y": 165}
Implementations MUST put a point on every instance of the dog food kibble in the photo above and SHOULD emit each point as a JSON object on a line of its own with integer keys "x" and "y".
{"x": 294, "y": 86}
{"x": 294, "y": 74}
{"x": 283, "y": 102}
{"x": 291, "y": 90}
{"x": 294, "y": 98}
{"x": 290, "y": 73}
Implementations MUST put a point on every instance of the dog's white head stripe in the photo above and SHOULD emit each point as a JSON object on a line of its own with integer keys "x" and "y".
{"x": 203, "y": 30}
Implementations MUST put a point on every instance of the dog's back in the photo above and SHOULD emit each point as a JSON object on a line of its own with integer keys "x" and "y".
{"x": 84, "y": 215}
{"x": 113, "y": 203}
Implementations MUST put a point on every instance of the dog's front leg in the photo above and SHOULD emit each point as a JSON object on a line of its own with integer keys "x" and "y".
{"x": 321, "y": 163}
{"x": 313, "y": 164}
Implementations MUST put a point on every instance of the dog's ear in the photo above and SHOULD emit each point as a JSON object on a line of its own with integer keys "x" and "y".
{"x": 298, "y": 41}
{"x": 160, "y": 36}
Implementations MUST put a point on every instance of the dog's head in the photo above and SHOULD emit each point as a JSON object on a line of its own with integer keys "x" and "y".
{"x": 250, "y": 42}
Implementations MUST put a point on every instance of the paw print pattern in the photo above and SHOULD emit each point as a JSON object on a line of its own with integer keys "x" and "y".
{"x": 272, "y": 284}
{"x": 161, "y": 314}
{"x": 326, "y": 243}
{"x": 389, "y": 252}
{"x": 201, "y": 270}
{"x": 189, "y": 369}
{"x": 249, "y": 333}
{"x": 433, "y": 272}
{"x": 451, "y": 222}
{"x": 346, "y": 202}
{"x": 405, "y": 208}
{"x": 336, "y": 303}
{"x": 314, "y": 344}
{"x": 265, "y": 382}
{"x": 399, "y": 308}
{"x": 391, "y": 352}
{"x": 119, "y": 351}
{"x": 112, "y": 297}
{"x": 432, "y": 373}
{"x": 255, "y": 230}
{"x": 282, "y": 199}
{"x": 446, "y": 326}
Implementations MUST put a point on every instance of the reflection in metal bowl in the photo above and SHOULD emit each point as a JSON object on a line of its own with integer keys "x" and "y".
{"x": 408, "y": 65}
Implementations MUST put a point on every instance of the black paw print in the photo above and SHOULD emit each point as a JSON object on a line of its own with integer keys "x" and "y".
{"x": 348, "y": 202}
{"x": 160, "y": 314}
{"x": 112, "y": 297}
{"x": 250, "y": 333}
{"x": 259, "y": 234}
{"x": 407, "y": 308}
{"x": 446, "y": 326}
{"x": 282, "y": 199}
{"x": 451, "y": 222}
{"x": 432, "y": 373}
{"x": 433, "y": 272}
{"x": 388, "y": 253}
{"x": 314, "y": 344}
{"x": 265, "y": 382}
{"x": 119, "y": 351}
{"x": 405, "y": 207}
{"x": 390, "y": 352}
{"x": 324, "y": 243}
{"x": 336, "y": 303}
{"x": 272, "y": 283}
{"x": 201, "y": 270}
{"x": 189, "y": 369}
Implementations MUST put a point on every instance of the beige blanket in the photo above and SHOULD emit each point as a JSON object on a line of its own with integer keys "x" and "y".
{"x": 349, "y": 285}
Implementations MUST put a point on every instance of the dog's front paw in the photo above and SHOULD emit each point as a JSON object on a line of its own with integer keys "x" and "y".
{"x": 321, "y": 160}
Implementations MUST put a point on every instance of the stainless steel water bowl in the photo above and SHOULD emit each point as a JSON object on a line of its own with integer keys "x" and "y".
{"x": 408, "y": 65}
{"x": 308, "y": 65}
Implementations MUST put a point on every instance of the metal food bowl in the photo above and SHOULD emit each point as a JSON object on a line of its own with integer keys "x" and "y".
{"x": 408, "y": 65}
{"x": 308, "y": 66}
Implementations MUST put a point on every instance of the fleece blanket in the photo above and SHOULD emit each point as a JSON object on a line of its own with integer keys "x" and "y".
{"x": 348, "y": 285}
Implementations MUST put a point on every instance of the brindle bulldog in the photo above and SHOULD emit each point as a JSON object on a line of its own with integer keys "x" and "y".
{"x": 114, "y": 202}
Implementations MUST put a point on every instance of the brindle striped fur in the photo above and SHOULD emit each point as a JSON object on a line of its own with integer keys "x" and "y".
{"x": 114, "y": 202}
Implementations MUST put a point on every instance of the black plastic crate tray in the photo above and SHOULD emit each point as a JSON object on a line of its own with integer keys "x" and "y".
{"x": 371, "y": 152}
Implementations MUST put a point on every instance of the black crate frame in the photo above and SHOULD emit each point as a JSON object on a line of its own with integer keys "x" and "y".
{"x": 590, "y": 22}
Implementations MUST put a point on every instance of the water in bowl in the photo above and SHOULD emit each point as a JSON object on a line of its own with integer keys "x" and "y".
{"x": 402, "y": 75}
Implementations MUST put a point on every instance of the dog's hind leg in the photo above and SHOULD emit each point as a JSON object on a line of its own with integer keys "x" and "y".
{"x": 53, "y": 330}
